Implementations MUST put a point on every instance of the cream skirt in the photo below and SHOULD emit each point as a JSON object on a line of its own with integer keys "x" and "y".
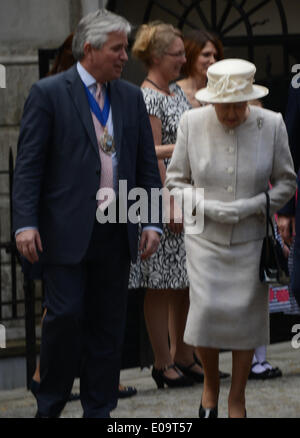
{"x": 229, "y": 306}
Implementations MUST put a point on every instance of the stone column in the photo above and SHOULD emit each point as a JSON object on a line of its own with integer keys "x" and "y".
{"x": 23, "y": 30}
{"x": 92, "y": 5}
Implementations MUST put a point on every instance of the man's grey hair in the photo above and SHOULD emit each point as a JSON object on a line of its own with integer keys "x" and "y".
{"x": 94, "y": 28}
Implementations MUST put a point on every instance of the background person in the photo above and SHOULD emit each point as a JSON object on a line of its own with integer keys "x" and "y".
{"x": 242, "y": 149}
{"x": 160, "y": 47}
{"x": 289, "y": 216}
{"x": 202, "y": 50}
{"x": 65, "y": 155}
{"x": 64, "y": 58}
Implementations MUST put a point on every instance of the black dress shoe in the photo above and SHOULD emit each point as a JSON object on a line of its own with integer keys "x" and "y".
{"x": 39, "y": 415}
{"x": 259, "y": 376}
{"x": 273, "y": 372}
{"x": 127, "y": 391}
{"x": 187, "y": 371}
{"x": 34, "y": 388}
{"x": 267, "y": 374}
{"x": 208, "y": 413}
{"x": 161, "y": 380}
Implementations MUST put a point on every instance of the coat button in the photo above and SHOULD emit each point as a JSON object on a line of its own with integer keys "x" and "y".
{"x": 230, "y": 170}
{"x": 98, "y": 172}
{"x": 231, "y": 150}
{"x": 229, "y": 189}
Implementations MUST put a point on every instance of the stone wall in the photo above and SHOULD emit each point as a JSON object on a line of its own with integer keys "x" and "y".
{"x": 25, "y": 26}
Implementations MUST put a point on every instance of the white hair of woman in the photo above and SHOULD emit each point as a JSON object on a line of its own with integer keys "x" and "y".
{"x": 95, "y": 28}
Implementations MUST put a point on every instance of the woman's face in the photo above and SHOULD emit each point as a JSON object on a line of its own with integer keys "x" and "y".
{"x": 232, "y": 115}
{"x": 173, "y": 59}
{"x": 206, "y": 58}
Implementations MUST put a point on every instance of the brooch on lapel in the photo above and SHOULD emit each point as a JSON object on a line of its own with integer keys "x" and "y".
{"x": 260, "y": 122}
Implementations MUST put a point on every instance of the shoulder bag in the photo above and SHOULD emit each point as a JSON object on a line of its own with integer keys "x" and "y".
{"x": 273, "y": 264}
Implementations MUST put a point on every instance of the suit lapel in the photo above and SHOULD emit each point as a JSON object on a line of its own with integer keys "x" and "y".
{"x": 77, "y": 92}
{"x": 117, "y": 116}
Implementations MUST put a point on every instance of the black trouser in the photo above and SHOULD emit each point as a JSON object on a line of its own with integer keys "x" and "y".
{"x": 84, "y": 325}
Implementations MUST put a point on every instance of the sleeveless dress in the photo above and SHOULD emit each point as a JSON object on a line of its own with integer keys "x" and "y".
{"x": 166, "y": 269}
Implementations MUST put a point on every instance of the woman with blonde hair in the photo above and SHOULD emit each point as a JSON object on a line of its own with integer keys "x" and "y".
{"x": 160, "y": 47}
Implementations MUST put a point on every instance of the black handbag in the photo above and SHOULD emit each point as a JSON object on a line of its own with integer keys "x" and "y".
{"x": 273, "y": 267}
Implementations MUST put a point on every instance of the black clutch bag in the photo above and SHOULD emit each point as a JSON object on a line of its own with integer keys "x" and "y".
{"x": 273, "y": 267}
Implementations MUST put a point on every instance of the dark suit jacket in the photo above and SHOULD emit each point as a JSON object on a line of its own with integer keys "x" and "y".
{"x": 292, "y": 121}
{"x": 58, "y": 167}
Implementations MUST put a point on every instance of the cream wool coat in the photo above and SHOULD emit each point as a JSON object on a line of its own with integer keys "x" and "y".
{"x": 228, "y": 304}
{"x": 232, "y": 165}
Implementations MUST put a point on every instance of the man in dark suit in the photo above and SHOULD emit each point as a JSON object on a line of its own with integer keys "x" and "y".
{"x": 84, "y": 131}
{"x": 289, "y": 216}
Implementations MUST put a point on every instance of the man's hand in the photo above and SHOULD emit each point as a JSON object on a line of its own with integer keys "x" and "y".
{"x": 286, "y": 227}
{"x": 27, "y": 243}
{"x": 149, "y": 243}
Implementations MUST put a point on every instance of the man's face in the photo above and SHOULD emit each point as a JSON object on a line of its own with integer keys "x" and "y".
{"x": 107, "y": 63}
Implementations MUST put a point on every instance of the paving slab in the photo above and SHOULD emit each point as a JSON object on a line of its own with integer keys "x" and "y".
{"x": 272, "y": 398}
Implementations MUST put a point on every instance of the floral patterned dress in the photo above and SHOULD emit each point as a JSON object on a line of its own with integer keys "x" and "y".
{"x": 166, "y": 269}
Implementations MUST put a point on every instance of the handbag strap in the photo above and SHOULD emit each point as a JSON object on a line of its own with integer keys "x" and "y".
{"x": 267, "y": 213}
{"x": 268, "y": 219}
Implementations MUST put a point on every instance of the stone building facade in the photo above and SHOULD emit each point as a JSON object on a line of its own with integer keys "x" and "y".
{"x": 29, "y": 25}
{"x": 25, "y": 27}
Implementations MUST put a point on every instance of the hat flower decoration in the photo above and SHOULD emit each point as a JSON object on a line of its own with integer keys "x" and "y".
{"x": 231, "y": 80}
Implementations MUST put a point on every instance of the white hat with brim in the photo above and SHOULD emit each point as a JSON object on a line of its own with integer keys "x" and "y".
{"x": 229, "y": 81}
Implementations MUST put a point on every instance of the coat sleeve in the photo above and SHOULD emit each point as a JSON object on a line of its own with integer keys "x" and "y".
{"x": 35, "y": 132}
{"x": 283, "y": 178}
{"x": 179, "y": 178}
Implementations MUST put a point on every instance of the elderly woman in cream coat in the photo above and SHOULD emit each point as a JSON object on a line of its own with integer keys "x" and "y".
{"x": 233, "y": 152}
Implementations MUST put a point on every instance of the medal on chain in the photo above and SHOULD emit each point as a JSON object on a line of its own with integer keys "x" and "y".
{"x": 107, "y": 142}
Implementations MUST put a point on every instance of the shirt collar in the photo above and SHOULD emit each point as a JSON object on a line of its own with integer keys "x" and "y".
{"x": 85, "y": 76}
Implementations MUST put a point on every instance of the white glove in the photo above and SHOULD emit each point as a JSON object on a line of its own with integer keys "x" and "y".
{"x": 221, "y": 212}
{"x": 250, "y": 206}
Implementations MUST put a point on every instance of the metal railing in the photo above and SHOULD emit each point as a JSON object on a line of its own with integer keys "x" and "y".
{"x": 9, "y": 248}
{"x": 28, "y": 299}
{"x": 136, "y": 345}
